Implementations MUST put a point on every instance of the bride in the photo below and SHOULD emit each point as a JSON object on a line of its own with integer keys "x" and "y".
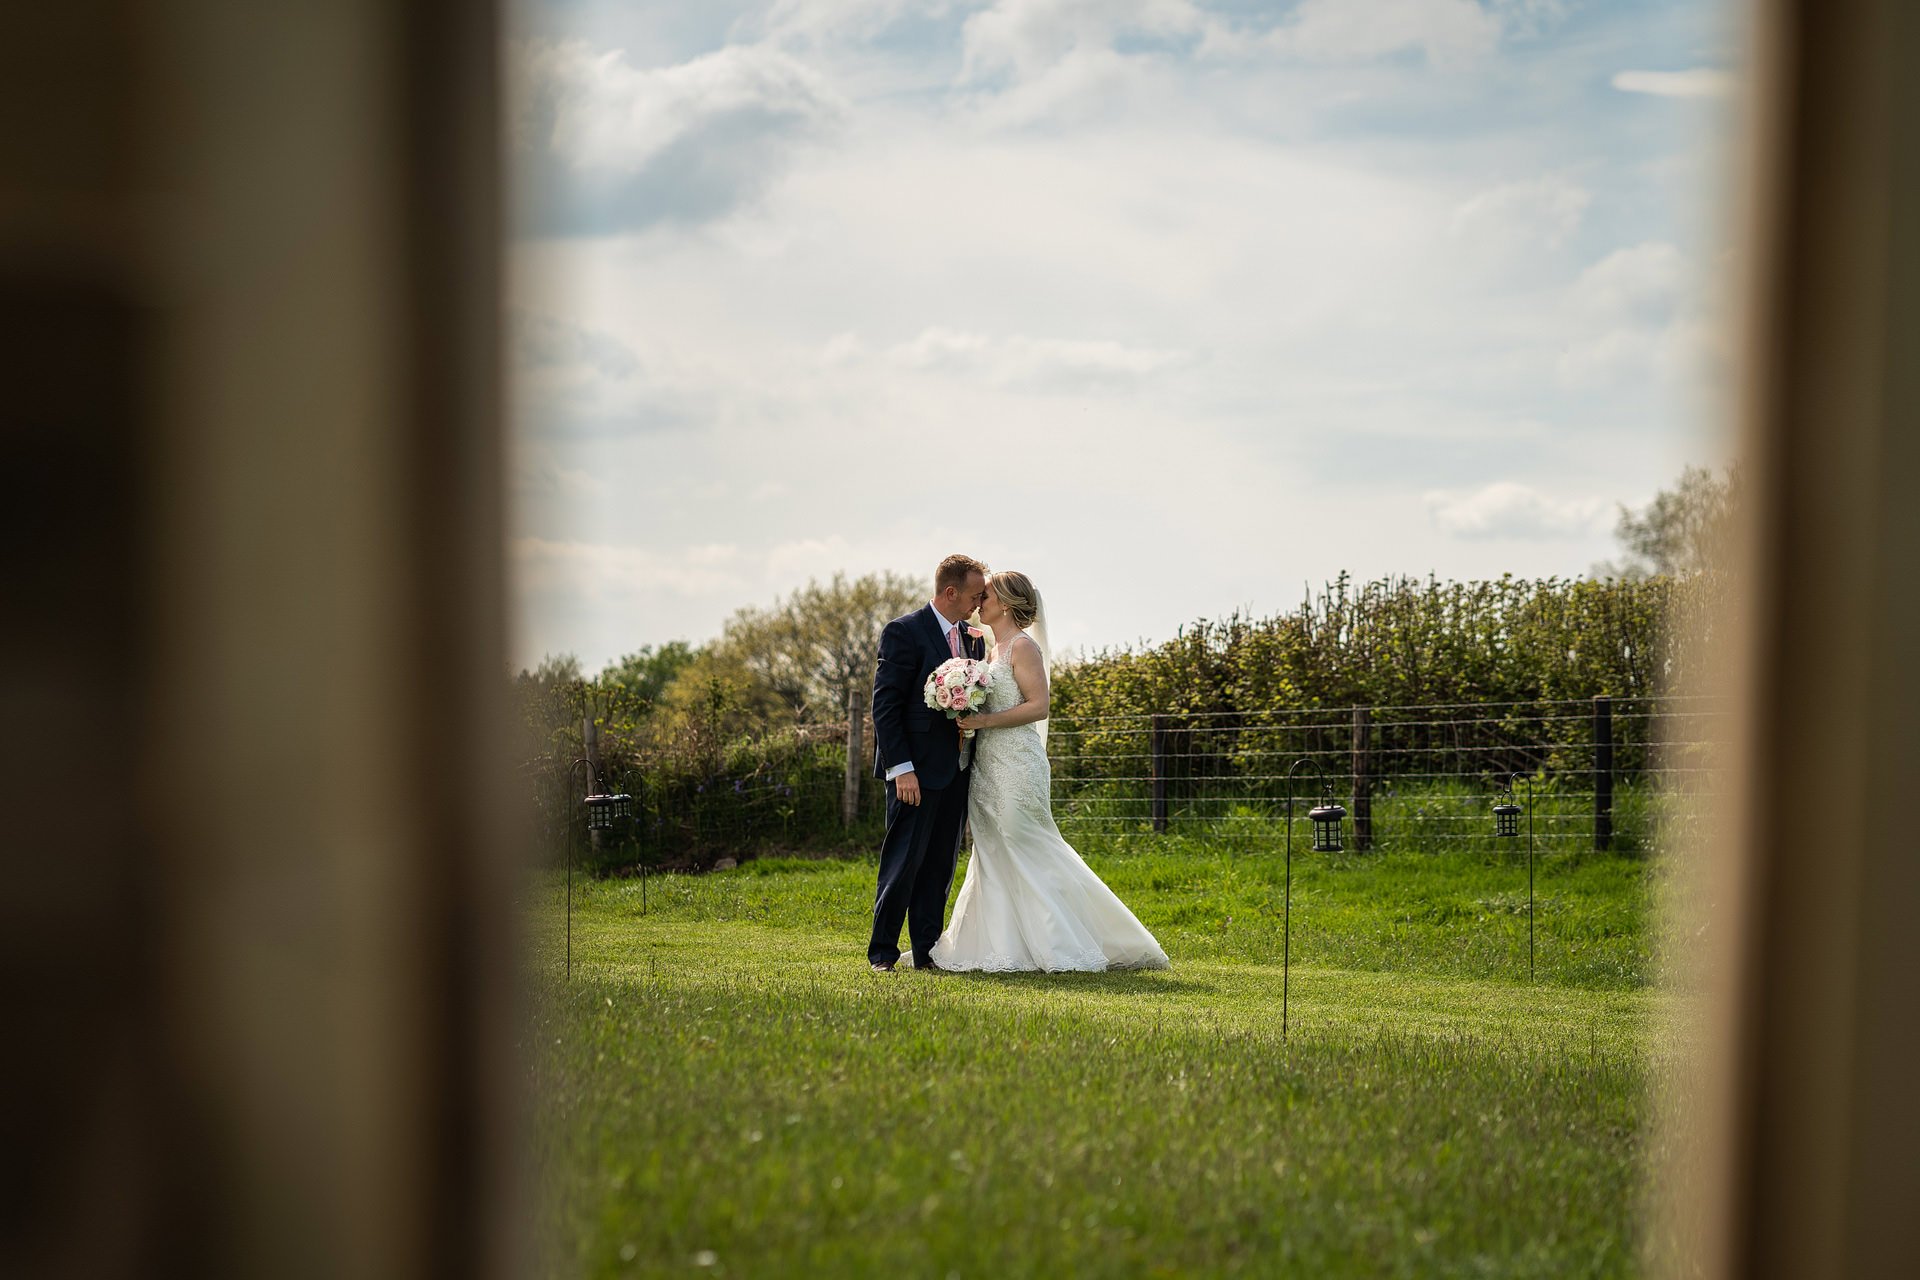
{"x": 1029, "y": 901}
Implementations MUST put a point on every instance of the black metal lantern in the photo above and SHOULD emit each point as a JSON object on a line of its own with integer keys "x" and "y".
{"x": 1506, "y": 824}
{"x": 1326, "y": 819}
{"x": 607, "y": 812}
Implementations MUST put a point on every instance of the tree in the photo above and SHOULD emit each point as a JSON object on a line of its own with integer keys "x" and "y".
{"x": 1684, "y": 531}
{"x": 815, "y": 647}
{"x": 548, "y": 699}
{"x": 717, "y": 691}
{"x": 555, "y": 668}
{"x": 645, "y": 674}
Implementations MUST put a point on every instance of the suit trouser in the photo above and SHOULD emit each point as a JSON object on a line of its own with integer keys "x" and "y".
{"x": 916, "y": 869}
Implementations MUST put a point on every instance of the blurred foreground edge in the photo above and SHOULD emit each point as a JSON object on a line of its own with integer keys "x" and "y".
{"x": 257, "y": 927}
{"x": 257, "y": 923}
{"x": 1808, "y": 1123}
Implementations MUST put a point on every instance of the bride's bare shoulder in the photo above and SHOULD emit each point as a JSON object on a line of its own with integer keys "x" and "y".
{"x": 1023, "y": 651}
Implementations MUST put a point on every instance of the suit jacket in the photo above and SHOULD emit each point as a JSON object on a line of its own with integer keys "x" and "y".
{"x": 904, "y": 726}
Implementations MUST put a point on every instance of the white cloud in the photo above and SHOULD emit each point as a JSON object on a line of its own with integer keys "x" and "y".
{"x": 601, "y": 113}
{"x": 604, "y": 145}
{"x": 814, "y": 22}
{"x": 570, "y": 378}
{"x": 1509, "y": 510}
{"x": 603, "y": 572}
{"x": 1213, "y": 289}
{"x": 800, "y": 559}
{"x": 844, "y": 349}
{"x": 1447, "y": 32}
{"x": 1643, "y": 280}
{"x": 1543, "y": 210}
{"x": 1041, "y": 363}
{"x": 1028, "y": 36}
{"x": 1641, "y": 315}
{"x": 1034, "y": 38}
{"x": 536, "y": 341}
{"x": 1695, "y": 82}
{"x": 539, "y": 476}
{"x": 1084, "y": 86}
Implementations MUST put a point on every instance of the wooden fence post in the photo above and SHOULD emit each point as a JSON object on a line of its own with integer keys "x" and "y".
{"x": 856, "y": 757}
{"x": 1157, "y": 745}
{"x": 1362, "y": 780}
{"x": 1602, "y": 773}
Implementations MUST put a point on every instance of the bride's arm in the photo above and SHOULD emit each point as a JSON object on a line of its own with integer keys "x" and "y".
{"x": 1030, "y": 674}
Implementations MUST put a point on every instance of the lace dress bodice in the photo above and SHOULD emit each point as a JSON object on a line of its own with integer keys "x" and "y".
{"x": 1010, "y": 765}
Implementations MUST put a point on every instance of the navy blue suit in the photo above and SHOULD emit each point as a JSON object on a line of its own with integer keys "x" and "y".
{"x": 923, "y": 841}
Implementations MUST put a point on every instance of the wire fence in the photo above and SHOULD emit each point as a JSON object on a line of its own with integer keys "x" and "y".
{"x": 782, "y": 792}
{"x": 1602, "y": 774}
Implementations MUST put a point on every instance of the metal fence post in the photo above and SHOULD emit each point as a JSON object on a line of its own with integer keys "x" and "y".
{"x": 856, "y": 757}
{"x": 590, "y": 748}
{"x": 1157, "y": 746}
{"x": 1362, "y": 780}
{"x": 1602, "y": 773}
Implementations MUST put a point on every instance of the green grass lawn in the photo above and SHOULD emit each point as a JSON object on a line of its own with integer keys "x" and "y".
{"x": 725, "y": 1088}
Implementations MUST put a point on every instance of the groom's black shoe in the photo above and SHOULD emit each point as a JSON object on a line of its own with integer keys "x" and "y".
{"x": 882, "y": 966}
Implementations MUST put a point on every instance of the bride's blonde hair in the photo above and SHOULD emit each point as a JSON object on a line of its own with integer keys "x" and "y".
{"x": 1015, "y": 591}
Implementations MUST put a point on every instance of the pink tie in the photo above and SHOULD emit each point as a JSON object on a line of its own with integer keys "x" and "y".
{"x": 953, "y": 640}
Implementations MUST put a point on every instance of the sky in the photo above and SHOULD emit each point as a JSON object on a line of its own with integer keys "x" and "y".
{"x": 1177, "y": 307}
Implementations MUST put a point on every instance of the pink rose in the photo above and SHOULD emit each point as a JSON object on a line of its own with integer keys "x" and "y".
{"x": 942, "y": 697}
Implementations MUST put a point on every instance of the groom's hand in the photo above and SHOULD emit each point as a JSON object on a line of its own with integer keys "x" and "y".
{"x": 907, "y": 787}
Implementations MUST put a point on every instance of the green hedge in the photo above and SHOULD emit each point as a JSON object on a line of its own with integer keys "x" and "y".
{"x": 709, "y": 783}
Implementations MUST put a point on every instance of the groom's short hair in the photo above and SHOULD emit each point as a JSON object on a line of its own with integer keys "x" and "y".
{"x": 953, "y": 572}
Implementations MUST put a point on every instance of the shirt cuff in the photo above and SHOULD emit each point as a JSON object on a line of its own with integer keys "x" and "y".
{"x": 899, "y": 769}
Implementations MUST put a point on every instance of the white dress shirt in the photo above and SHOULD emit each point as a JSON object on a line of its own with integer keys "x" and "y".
{"x": 946, "y": 633}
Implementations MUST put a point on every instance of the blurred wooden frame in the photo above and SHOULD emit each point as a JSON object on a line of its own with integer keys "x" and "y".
{"x": 1812, "y": 1131}
{"x": 258, "y": 937}
{"x": 259, "y": 944}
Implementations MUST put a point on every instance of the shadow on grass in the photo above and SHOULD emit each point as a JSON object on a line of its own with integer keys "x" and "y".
{"x": 1139, "y": 982}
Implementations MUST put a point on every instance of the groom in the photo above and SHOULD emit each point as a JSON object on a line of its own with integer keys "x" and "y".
{"x": 917, "y": 750}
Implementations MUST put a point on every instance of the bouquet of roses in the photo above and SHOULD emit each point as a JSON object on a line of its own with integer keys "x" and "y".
{"x": 958, "y": 687}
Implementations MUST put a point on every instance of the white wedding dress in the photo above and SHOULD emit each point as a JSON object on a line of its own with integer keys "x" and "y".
{"x": 1029, "y": 901}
